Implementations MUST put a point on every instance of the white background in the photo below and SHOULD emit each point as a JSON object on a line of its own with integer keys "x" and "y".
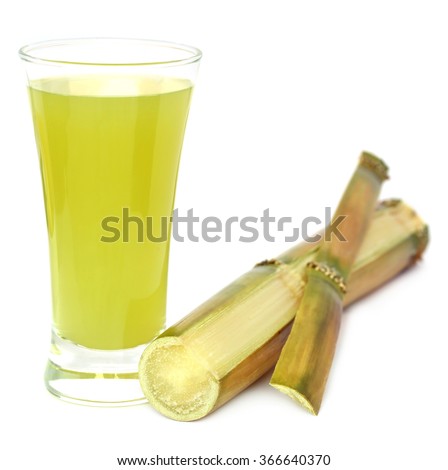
{"x": 289, "y": 93}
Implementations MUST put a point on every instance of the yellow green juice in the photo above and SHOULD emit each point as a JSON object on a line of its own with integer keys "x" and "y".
{"x": 107, "y": 144}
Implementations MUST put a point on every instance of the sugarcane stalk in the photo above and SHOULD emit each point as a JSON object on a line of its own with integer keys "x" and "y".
{"x": 236, "y": 336}
{"x": 305, "y": 361}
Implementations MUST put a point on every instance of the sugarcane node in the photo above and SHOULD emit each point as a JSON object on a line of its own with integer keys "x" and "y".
{"x": 375, "y": 165}
{"x": 268, "y": 262}
{"x": 291, "y": 280}
{"x": 331, "y": 273}
{"x": 392, "y": 202}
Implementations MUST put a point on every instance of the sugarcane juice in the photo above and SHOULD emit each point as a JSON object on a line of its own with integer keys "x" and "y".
{"x": 105, "y": 144}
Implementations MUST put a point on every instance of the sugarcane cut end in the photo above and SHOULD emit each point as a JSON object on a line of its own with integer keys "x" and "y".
{"x": 411, "y": 219}
{"x": 175, "y": 382}
{"x": 297, "y": 397}
{"x": 375, "y": 165}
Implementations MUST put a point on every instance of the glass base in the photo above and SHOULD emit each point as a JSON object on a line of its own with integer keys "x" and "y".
{"x": 94, "y": 377}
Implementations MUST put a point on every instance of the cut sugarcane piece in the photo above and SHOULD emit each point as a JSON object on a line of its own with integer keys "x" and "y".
{"x": 236, "y": 336}
{"x": 305, "y": 361}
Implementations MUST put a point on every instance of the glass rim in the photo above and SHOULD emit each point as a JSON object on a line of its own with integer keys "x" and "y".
{"x": 28, "y": 52}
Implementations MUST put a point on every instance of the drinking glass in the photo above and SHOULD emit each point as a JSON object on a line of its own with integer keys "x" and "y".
{"x": 109, "y": 118}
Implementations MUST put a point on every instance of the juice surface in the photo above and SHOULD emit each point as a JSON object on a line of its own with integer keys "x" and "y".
{"x": 108, "y": 144}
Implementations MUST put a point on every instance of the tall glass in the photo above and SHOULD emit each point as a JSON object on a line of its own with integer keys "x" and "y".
{"x": 109, "y": 118}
